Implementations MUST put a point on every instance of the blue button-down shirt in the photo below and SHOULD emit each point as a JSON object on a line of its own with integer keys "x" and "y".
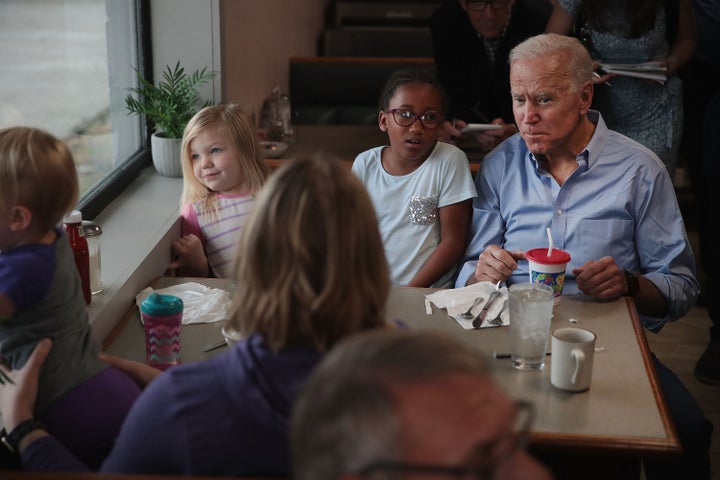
{"x": 619, "y": 202}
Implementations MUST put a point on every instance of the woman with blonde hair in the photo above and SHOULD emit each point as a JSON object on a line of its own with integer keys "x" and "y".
{"x": 223, "y": 167}
{"x": 310, "y": 271}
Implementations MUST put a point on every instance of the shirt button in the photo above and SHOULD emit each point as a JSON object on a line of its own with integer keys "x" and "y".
{"x": 559, "y": 212}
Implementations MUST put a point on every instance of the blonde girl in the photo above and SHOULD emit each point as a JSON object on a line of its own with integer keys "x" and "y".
{"x": 223, "y": 167}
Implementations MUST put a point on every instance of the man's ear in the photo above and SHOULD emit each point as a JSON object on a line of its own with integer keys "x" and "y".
{"x": 586, "y": 96}
{"x": 20, "y": 218}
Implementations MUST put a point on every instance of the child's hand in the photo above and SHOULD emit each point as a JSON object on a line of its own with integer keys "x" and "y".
{"x": 189, "y": 256}
{"x": 142, "y": 373}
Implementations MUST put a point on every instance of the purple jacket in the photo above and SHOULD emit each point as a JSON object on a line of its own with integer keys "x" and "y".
{"x": 224, "y": 416}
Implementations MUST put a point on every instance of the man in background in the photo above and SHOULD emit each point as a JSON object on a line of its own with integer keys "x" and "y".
{"x": 398, "y": 403}
{"x": 471, "y": 43}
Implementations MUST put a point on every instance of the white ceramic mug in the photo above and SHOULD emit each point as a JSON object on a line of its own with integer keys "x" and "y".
{"x": 571, "y": 362}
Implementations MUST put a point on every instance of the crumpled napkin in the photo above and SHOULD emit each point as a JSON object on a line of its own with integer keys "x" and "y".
{"x": 201, "y": 304}
{"x": 458, "y": 300}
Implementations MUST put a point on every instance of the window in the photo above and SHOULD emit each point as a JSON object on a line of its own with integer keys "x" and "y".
{"x": 66, "y": 68}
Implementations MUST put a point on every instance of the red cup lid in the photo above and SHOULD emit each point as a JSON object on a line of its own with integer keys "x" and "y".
{"x": 539, "y": 255}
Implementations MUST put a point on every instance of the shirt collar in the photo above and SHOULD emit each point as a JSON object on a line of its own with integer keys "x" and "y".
{"x": 592, "y": 150}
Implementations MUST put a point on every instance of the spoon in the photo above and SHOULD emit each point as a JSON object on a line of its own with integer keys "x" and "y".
{"x": 468, "y": 314}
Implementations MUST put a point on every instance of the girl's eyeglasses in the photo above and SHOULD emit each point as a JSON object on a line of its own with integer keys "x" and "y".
{"x": 405, "y": 118}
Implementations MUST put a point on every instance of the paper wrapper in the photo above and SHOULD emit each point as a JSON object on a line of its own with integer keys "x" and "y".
{"x": 201, "y": 304}
{"x": 458, "y": 300}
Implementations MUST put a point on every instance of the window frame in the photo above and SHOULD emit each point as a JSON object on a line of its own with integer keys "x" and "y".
{"x": 127, "y": 169}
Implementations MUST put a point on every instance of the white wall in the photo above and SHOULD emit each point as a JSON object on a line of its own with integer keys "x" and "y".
{"x": 259, "y": 37}
{"x": 248, "y": 41}
{"x": 189, "y": 31}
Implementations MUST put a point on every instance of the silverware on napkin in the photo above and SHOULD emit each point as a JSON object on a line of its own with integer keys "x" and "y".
{"x": 478, "y": 321}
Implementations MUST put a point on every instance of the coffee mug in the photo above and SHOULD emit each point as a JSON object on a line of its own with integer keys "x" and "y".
{"x": 571, "y": 362}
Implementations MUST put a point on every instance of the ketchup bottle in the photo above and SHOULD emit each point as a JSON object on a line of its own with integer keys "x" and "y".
{"x": 72, "y": 223}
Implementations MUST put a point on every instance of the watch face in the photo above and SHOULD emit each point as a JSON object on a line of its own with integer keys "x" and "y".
{"x": 633, "y": 285}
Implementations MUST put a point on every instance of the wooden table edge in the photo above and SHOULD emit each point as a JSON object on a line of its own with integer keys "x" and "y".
{"x": 673, "y": 442}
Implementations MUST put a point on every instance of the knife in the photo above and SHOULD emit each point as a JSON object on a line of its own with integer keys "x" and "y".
{"x": 477, "y": 321}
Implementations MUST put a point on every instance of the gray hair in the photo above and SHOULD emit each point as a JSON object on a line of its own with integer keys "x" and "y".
{"x": 345, "y": 416}
{"x": 577, "y": 63}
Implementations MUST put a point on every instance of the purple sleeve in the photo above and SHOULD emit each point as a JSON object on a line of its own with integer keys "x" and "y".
{"x": 150, "y": 438}
{"x": 46, "y": 454}
{"x": 26, "y": 277}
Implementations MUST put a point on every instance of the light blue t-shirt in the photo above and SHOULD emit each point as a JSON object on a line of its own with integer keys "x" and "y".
{"x": 407, "y": 206}
{"x": 620, "y": 202}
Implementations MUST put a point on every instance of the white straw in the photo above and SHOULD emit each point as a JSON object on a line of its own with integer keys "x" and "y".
{"x": 550, "y": 241}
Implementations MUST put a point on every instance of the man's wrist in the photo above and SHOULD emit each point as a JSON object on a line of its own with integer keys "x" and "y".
{"x": 633, "y": 284}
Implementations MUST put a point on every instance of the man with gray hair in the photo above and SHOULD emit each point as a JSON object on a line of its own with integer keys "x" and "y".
{"x": 607, "y": 200}
{"x": 396, "y": 402}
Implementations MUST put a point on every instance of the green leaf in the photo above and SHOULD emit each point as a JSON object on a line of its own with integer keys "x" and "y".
{"x": 171, "y": 103}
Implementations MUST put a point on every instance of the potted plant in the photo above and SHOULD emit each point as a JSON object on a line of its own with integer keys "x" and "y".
{"x": 169, "y": 106}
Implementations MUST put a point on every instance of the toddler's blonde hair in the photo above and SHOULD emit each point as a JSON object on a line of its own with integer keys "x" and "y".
{"x": 37, "y": 171}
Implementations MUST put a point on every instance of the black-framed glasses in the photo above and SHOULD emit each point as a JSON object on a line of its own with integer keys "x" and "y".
{"x": 405, "y": 118}
{"x": 479, "y": 5}
{"x": 486, "y": 459}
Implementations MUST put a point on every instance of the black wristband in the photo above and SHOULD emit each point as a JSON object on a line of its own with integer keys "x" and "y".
{"x": 12, "y": 440}
{"x": 633, "y": 285}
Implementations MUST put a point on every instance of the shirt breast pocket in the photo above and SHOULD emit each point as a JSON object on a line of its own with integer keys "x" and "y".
{"x": 607, "y": 237}
{"x": 423, "y": 210}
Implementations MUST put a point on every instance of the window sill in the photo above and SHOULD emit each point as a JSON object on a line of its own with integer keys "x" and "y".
{"x": 139, "y": 227}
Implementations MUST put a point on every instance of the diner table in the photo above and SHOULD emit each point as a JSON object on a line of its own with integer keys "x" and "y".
{"x": 345, "y": 142}
{"x": 602, "y": 432}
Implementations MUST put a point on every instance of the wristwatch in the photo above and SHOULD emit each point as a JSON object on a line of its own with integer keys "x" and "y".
{"x": 12, "y": 440}
{"x": 633, "y": 284}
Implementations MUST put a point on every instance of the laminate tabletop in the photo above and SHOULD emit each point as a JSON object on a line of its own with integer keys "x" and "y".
{"x": 623, "y": 411}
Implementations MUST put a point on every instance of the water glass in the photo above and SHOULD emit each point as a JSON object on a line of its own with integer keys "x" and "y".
{"x": 531, "y": 306}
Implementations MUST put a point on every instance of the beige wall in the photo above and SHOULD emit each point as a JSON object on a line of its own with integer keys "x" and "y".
{"x": 257, "y": 39}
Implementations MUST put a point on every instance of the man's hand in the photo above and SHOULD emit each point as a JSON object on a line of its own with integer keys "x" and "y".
{"x": 17, "y": 399}
{"x": 601, "y": 279}
{"x": 496, "y": 264}
{"x": 492, "y": 138}
{"x": 450, "y": 131}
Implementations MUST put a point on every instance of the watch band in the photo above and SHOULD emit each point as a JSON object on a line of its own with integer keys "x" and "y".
{"x": 12, "y": 440}
{"x": 633, "y": 284}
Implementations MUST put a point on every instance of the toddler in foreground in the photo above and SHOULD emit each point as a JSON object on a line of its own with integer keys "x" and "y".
{"x": 81, "y": 399}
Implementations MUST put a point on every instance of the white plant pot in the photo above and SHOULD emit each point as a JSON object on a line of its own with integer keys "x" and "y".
{"x": 166, "y": 155}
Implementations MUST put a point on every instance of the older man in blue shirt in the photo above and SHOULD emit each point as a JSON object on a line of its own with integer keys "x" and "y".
{"x": 608, "y": 201}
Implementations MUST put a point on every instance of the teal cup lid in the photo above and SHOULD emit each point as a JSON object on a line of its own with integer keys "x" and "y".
{"x": 158, "y": 305}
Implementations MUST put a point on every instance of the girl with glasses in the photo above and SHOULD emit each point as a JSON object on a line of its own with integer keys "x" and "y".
{"x": 421, "y": 188}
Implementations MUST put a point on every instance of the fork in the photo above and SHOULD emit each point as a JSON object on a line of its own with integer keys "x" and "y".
{"x": 497, "y": 321}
